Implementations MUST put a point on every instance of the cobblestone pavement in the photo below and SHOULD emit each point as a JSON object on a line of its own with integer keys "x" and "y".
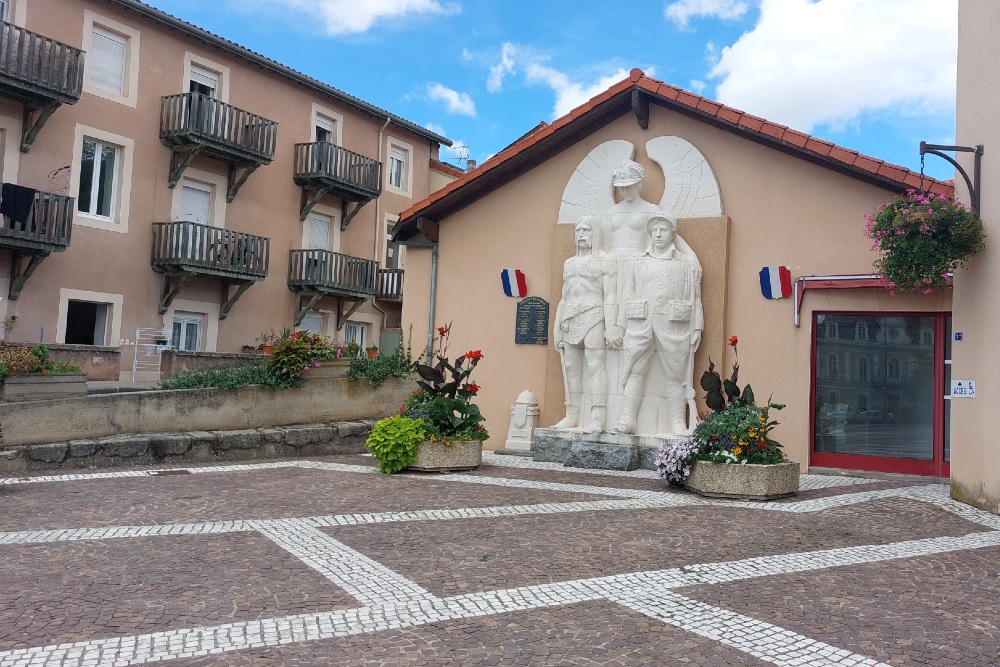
{"x": 323, "y": 561}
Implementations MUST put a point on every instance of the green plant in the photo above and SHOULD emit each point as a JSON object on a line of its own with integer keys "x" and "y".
{"x": 21, "y": 360}
{"x": 229, "y": 377}
{"x": 378, "y": 369}
{"x": 393, "y": 442}
{"x": 295, "y": 354}
{"x": 921, "y": 238}
{"x": 268, "y": 337}
{"x": 446, "y": 400}
{"x": 9, "y": 324}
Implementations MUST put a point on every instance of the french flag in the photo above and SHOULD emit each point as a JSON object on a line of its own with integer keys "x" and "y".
{"x": 513, "y": 282}
{"x": 776, "y": 282}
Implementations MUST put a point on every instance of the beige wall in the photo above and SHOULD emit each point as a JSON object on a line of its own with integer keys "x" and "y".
{"x": 780, "y": 210}
{"x": 975, "y": 467}
{"x": 111, "y": 263}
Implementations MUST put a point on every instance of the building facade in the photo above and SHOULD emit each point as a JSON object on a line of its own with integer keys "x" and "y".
{"x": 860, "y": 371}
{"x": 152, "y": 186}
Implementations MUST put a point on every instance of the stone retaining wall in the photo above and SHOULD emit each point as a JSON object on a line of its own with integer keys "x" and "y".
{"x": 174, "y": 362}
{"x": 97, "y": 362}
{"x": 344, "y": 437}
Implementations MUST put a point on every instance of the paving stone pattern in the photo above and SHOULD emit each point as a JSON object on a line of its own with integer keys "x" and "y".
{"x": 324, "y": 561}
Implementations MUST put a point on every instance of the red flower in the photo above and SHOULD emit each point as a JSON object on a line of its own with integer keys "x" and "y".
{"x": 442, "y": 331}
{"x": 733, "y": 340}
{"x": 472, "y": 388}
{"x": 474, "y": 355}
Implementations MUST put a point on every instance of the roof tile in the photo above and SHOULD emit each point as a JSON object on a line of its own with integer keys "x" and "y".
{"x": 773, "y": 129}
{"x": 754, "y": 123}
{"x": 729, "y": 115}
{"x": 818, "y": 146}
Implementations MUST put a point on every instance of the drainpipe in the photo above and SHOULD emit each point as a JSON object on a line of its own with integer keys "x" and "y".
{"x": 433, "y": 301}
{"x": 378, "y": 218}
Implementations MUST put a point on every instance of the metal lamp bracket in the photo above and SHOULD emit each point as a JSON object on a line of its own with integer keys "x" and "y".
{"x": 975, "y": 182}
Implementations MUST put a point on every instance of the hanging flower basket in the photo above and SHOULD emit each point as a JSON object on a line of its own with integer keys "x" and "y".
{"x": 921, "y": 238}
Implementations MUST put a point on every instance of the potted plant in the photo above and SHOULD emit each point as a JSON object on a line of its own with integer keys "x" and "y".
{"x": 371, "y": 351}
{"x": 267, "y": 340}
{"x": 921, "y": 239}
{"x": 730, "y": 453}
{"x": 441, "y": 412}
{"x": 28, "y": 374}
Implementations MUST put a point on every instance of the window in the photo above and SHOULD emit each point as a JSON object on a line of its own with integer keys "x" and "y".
{"x": 187, "y": 331}
{"x": 832, "y": 330}
{"x": 892, "y": 369}
{"x": 111, "y": 68}
{"x": 325, "y": 129}
{"x": 203, "y": 81}
{"x": 318, "y": 233}
{"x": 313, "y": 323}
{"x": 831, "y": 367}
{"x": 862, "y": 402}
{"x": 98, "y": 179}
{"x": 107, "y": 66}
{"x": 861, "y": 331}
{"x": 87, "y": 323}
{"x": 196, "y": 202}
{"x": 399, "y": 174}
{"x": 862, "y": 370}
{"x": 354, "y": 332}
{"x": 393, "y": 251}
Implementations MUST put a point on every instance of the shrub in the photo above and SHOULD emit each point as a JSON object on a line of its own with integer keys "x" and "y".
{"x": 393, "y": 442}
{"x": 229, "y": 377}
{"x": 20, "y": 360}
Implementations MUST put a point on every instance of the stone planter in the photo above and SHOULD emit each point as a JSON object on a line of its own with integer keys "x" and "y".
{"x": 329, "y": 369}
{"x": 439, "y": 457}
{"x": 38, "y": 387}
{"x": 744, "y": 482}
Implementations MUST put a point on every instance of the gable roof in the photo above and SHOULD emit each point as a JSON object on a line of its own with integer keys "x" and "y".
{"x": 273, "y": 66}
{"x": 633, "y": 94}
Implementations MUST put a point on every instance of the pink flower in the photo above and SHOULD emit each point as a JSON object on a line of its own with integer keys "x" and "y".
{"x": 306, "y": 368}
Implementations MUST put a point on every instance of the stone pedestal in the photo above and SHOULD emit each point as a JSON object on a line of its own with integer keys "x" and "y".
{"x": 523, "y": 420}
{"x": 601, "y": 451}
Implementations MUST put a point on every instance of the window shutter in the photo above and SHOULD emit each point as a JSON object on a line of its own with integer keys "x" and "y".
{"x": 319, "y": 232}
{"x": 196, "y": 204}
{"x": 107, "y": 61}
{"x": 324, "y": 129}
{"x": 206, "y": 80}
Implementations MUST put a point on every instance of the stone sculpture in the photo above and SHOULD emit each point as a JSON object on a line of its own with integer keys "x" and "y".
{"x": 660, "y": 315}
{"x": 584, "y": 318}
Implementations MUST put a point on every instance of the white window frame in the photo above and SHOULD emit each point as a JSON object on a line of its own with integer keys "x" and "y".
{"x": 390, "y": 220}
{"x": 208, "y": 310}
{"x": 113, "y": 301}
{"x": 405, "y": 188}
{"x": 121, "y": 202}
{"x": 16, "y": 12}
{"x": 216, "y": 182}
{"x": 195, "y": 61}
{"x": 337, "y": 119}
{"x": 184, "y": 318}
{"x": 130, "y": 77}
{"x": 334, "y": 215}
{"x": 97, "y": 176}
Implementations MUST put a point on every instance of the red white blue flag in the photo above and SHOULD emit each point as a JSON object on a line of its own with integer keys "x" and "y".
{"x": 513, "y": 282}
{"x": 776, "y": 282}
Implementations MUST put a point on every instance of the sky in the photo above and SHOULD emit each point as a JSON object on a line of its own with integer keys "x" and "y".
{"x": 876, "y": 76}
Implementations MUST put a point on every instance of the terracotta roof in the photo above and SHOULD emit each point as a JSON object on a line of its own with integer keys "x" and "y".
{"x": 446, "y": 168}
{"x": 544, "y": 140}
{"x": 191, "y": 29}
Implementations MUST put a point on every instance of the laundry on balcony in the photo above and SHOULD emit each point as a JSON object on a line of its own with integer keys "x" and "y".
{"x": 16, "y": 202}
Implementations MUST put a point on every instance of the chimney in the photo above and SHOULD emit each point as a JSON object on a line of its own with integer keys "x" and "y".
{"x": 470, "y": 165}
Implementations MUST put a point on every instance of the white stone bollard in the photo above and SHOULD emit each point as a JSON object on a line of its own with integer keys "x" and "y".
{"x": 523, "y": 420}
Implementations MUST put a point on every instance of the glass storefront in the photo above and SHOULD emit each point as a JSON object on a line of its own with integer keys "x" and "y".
{"x": 874, "y": 386}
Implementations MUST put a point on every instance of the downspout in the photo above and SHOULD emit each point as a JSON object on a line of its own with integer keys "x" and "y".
{"x": 433, "y": 301}
{"x": 378, "y": 220}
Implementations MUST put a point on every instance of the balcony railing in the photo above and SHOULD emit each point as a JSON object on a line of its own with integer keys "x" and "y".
{"x": 323, "y": 163}
{"x": 390, "y": 284}
{"x": 40, "y": 67}
{"x": 195, "y": 248}
{"x": 222, "y": 129}
{"x": 47, "y": 227}
{"x": 332, "y": 273}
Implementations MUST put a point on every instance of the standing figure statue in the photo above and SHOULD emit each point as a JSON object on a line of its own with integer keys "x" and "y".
{"x": 660, "y": 313}
{"x": 584, "y": 319}
{"x": 626, "y": 220}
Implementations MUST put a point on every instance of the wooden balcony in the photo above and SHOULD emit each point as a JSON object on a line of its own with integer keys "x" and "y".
{"x": 193, "y": 124}
{"x": 315, "y": 274}
{"x": 46, "y": 230}
{"x": 184, "y": 250}
{"x": 323, "y": 168}
{"x": 39, "y": 72}
{"x": 390, "y": 285}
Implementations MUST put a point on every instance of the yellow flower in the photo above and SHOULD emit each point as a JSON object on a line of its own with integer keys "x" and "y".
{"x": 737, "y": 450}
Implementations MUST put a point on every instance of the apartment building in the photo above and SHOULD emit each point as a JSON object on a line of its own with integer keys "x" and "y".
{"x": 159, "y": 176}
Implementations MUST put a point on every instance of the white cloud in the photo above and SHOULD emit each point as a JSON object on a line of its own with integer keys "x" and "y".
{"x": 436, "y": 129}
{"x": 343, "y": 17}
{"x": 569, "y": 94}
{"x": 810, "y": 62}
{"x": 697, "y": 86}
{"x": 494, "y": 83}
{"x": 681, "y": 11}
{"x": 454, "y": 101}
